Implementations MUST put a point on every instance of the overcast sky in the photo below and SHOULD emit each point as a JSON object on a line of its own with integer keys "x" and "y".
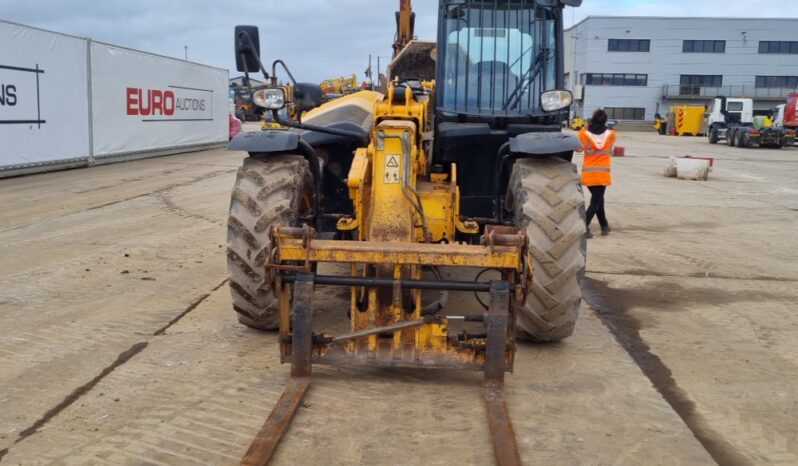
{"x": 317, "y": 38}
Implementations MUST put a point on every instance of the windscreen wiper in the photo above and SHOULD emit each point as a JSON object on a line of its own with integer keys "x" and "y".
{"x": 526, "y": 80}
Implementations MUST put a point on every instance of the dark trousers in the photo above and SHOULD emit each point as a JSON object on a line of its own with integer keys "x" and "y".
{"x": 596, "y": 207}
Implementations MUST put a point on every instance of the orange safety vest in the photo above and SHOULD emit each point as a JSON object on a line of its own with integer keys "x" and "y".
{"x": 598, "y": 160}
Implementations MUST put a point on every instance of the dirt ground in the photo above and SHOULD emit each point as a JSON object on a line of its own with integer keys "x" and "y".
{"x": 118, "y": 344}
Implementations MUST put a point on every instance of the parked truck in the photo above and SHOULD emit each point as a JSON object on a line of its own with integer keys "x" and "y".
{"x": 732, "y": 120}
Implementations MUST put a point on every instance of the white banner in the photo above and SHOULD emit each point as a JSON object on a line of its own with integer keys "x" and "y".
{"x": 143, "y": 102}
{"x": 43, "y": 97}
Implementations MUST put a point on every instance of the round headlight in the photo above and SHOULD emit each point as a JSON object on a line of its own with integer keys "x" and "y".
{"x": 552, "y": 101}
{"x": 270, "y": 99}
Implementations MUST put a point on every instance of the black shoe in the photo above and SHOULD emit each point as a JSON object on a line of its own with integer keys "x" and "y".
{"x": 605, "y": 230}
{"x": 589, "y": 235}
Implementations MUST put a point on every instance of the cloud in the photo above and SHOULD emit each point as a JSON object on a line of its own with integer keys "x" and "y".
{"x": 317, "y": 38}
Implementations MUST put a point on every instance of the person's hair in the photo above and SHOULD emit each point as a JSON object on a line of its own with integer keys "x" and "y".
{"x": 599, "y": 117}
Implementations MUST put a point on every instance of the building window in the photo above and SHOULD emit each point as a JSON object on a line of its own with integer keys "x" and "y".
{"x": 780, "y": 82}
{"x": 778, "y": 46}
{"x": 625, "y": 113}
{"x": 691, "y": 84}
{"x": 629, "y": 45}
{"x": 701, "y": 80}
{"x": 614, "y": 79}
{"x": 704, "y": 46}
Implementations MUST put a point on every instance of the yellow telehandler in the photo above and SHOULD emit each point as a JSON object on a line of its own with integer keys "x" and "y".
{"x": 462, "y": 163}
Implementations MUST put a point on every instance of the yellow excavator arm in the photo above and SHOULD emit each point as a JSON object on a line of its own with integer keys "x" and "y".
{"x": 405, "y": 26}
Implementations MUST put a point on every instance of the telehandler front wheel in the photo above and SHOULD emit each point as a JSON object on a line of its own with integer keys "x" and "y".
{"x": 273, "y": 190}
{"x": 545, "y": 197}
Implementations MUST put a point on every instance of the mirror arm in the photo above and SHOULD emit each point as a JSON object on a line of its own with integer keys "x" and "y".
{"x": 246, "y": 73}
{"x": 290, "y": 76}
{"x": 285, "y": 67}
{"x": 254, "y": 54}
{"x": 321, "y": 129}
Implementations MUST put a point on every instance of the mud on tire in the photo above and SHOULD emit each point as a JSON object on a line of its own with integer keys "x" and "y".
{"x": 545, "y": 197}
{"x": 268, "y": 191}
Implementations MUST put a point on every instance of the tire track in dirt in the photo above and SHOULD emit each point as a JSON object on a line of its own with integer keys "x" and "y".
{"x": 172, "y": 207}
{"x": 120, "y": 360}
{"x": 714, "y": 276}
{"x": 759, "y": 340}
{"x": 76, "y": 394}
{"x": 36, "y": 346}
{"x": 208, "y": 424}
{"x": 162, "y": 190}
{"x": 190, "y": 308}
{"x": 610, "y": 306}
{"x": 184, "y": 422}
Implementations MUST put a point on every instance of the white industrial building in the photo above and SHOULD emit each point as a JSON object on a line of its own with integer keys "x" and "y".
{"x": 635, "y": 67}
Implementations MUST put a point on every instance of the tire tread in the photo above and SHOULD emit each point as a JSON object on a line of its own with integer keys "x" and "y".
{"x": 267, "y": 192}
{"x": 545, "y": 196}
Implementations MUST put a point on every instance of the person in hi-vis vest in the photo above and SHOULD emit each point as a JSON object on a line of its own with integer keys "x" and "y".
{"x": 597, "y": 145}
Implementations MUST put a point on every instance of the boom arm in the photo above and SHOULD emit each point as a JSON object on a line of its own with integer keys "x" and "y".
{"x": 405, "y": 26}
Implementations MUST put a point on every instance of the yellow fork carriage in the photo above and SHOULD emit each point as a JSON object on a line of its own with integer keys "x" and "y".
{"x": 389, "y": 326}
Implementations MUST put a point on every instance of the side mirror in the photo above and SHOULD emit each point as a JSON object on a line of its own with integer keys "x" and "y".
{"x": 247, "y": 46}
{"x": 307, "y": 96}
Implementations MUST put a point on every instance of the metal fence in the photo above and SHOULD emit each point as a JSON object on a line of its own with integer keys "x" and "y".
{"x": 72, "y": 102}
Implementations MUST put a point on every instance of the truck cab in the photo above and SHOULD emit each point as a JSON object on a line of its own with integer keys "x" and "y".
{"x": 785, "y": 116}
{"x": 724, "y": 111}
{"x": 777, "y": 116}
{"x": 724, "y": 115}
{"x": 790, "y": 119}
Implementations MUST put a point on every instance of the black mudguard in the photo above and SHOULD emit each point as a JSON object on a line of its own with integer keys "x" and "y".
{"x": 290, "y": 140}
{"x": 265, "y": 141}
{"x": 543, "y": 144}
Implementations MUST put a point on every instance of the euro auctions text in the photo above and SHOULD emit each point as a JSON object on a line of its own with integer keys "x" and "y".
{"x": 152, "y": 102}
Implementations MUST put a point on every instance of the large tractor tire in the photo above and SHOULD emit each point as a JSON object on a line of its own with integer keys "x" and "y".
{"x": 545, "y": 197}
{"x": 268, "y": 191}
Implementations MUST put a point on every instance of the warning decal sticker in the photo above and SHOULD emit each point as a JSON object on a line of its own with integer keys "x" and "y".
{"x": 392, "y": 169}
